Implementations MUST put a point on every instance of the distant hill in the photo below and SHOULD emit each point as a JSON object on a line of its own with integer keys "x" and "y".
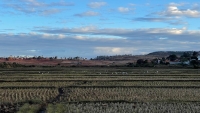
{"x": 167, "y": 53}
{"x": 153, "y": 55}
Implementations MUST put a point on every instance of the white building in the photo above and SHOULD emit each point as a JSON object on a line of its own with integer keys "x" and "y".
{"x": 198, "y": 57}
{"x": 186, "y": 62}
{"x": 174, "y": 63}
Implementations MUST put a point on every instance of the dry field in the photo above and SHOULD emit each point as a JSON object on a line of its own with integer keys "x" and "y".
{"x": 101, "y": 90}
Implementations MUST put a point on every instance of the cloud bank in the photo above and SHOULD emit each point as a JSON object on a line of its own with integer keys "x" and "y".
{"x": 88, "y": 29}
{"x": 37, "y": 7}
{"x": 97, "y": 4}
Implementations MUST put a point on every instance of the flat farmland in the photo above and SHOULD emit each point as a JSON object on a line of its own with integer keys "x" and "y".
{"x": 103, "y": 89}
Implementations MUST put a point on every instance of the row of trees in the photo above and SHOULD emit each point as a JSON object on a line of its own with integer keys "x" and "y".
{"x": 186, "y": 57}
{"x": 10, "y": 65}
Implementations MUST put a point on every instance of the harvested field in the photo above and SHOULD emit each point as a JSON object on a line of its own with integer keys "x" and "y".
{"x": 100, "y": 89}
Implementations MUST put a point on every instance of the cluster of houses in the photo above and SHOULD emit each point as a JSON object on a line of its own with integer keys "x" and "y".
{"x": 187, "y": 62}
{"x": 11, "y": 58}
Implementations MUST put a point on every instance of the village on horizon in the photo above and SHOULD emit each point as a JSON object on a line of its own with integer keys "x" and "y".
{"x": 155, "y": 58}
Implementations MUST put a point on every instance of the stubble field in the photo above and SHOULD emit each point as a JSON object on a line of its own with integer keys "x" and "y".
{"x": 101, "y": 90}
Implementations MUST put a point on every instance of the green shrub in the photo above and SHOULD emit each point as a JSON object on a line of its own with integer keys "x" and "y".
{"x": 50, "y": 108}
{"x": 27, "y": 108}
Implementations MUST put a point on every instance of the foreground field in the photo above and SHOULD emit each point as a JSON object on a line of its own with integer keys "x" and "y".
{"x": 85, "y": 90}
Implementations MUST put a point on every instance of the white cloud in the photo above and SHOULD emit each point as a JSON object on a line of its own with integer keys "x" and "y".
{"x": 163, "y": 38}
{"x": 125, "y": 33}
{"x": 80, "y": 37}
{"x": 123, "y": 9}
{"x": 37, "y": 7}
{"x": 100, "y": 41}
{"x": 173, "y": 10}
{"x": 33, "y": 3}
{"x": 131, "y": 4}
{"x": 151, "y": 19}
{"x": 61, "y": 36}
{"x": 168, "y": 20}
{"x": 101, "y": 38}
{"x": 196, "y": 6}
{"x": 50, "y": 11}
{"x": 32, "y": 50}
{"x": 88, "y": 13}
{"x": 177, "y": 4}
{"x": 36, "y": 3}
{"x": 172, "y": 31}
{"x": 105, "y": 41}
{"x": 85, "y": 29}
{"x": 52, "y": 36}
{"x": 114, "y": 50}
{"x": 96, "y": 4}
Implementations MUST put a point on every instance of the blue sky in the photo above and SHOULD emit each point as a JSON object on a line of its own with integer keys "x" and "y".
{"x": 88, "y": 28}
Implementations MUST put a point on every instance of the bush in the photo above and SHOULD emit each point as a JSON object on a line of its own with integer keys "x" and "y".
{"x": 58, "y": 108}
{"x": 27, "y": 108}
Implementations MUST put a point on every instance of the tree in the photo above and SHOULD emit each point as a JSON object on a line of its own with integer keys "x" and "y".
{"x": 163, "y": 58}
{"x": 195, "y": 63}
{"x": 146, "y": 62}
{"x": 186, "y": 55}
{"x": 39, "y": 57}
{"x": 154, "y": 61}
{"x": 172, "y": 57}
{"x": 194, "y": 58}
{"x": 195, "y": 54}
{"x": 130, "y": 64}
{"x": 140, "y": 61}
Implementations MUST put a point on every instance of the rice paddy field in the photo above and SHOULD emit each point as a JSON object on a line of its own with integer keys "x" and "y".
{"x": 99, "y": 90}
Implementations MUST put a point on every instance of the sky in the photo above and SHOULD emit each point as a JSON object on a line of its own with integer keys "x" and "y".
{"x": 89, "y": 28}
